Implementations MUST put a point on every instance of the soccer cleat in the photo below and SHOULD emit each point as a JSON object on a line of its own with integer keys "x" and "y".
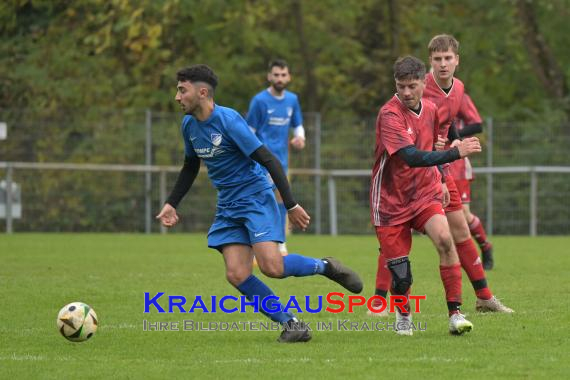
{"x": 294, "y": 331}
{"x": 459, "y": 325}
{"x": 404, "y": 324}
{"x": 342, "y": 275}
{"x": 493, "y": 305}
{"x": 487, "y": 256}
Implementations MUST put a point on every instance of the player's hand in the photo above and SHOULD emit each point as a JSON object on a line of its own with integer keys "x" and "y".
{"x": 455, "y": 143}
{"x": 469, "y": 146}
{"x": 168, "y": 216}
{"x": 446, "y": 198}
{"x": 298, "y": 142}
{"x": 299, "y": 217}
{"x": 440, "y": 144}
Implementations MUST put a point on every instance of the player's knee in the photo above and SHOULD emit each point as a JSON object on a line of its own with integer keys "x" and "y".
{"x": 442, "y": 239}
{"x": 461, "y": 232}
{"x": 273, "y": 269}
{"x": 401, "y": 275}
{"x": 236, "y": 276}
{"x": 444, "y": 242}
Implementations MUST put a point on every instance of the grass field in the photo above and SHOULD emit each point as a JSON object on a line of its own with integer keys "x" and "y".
{"x": 39, "y": 273}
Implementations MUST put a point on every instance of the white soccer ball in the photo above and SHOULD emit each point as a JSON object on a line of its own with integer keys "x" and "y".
{"x": 77, "y": 322}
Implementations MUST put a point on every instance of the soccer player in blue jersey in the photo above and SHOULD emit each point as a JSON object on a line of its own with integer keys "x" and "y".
{"x": 272, "y": 114}
{"x": 246, "y": 222}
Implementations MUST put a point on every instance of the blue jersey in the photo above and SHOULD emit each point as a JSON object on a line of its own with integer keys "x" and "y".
{"x": 271, "y": 119}
{"x": 225, "y": 142}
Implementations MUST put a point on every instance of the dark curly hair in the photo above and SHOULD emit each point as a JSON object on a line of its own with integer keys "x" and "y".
{"x": 199, "y": 73}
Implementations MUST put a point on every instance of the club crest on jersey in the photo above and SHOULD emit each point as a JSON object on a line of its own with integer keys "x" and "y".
{"x": 289, "y": 111}
{"x": 216, "y": 139}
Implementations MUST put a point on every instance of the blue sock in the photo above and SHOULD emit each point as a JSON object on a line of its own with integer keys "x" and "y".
{"x": 300, "y": 266}
{"x": 253, "y": 286}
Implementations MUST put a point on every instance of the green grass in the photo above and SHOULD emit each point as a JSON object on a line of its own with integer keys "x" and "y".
{"x": 39, "y": 273}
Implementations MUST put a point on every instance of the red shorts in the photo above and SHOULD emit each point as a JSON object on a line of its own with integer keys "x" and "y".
{"x": 396, "y": 241}
{"x": 455, "y": 200}
{"x": 464, "y": 189}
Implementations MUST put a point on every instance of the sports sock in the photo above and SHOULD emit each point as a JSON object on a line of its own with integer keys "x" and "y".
{"x": 451, "y": 278}
{"x": 300, "y": 266}
{"x": 383, "y": 277}
{"x": 253, "y": 286}
{"x": 471, "y": 263}
{"x": 478, "y": 232}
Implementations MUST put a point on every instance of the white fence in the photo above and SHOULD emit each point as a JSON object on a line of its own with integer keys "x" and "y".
{"x": 335, "y": 208}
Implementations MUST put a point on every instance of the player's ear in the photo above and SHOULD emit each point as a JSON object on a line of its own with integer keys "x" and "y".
{"x": 269, "y": 76}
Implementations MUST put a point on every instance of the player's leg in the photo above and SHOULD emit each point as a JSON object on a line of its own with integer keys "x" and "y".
{"x": 238, "y": 259}
{"x": 437, "y": 228}
{"x": 231, "y": 238}
{"x": 472, "y": 265}
{"x": 466, "y": 249}
{"x": 468, "y": 255}
{"x": 475, "y": 226}
{"x": 272, "y": 264}
{"x": 383, "y": 281}
{"x": 478, "y": 232}
{"x": 265, "y": 232}
{"x": 396, "y": 242}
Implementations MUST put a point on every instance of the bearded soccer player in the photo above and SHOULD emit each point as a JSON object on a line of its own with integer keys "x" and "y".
{"x": 272, "y": 113}
{"x": 246, "y": 222}
{"x": 406, "y": 191}
{"x": 446, "y": 91}
{"x": 469, "y": 123}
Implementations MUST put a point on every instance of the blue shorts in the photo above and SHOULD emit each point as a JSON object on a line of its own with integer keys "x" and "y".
{"x": 247, "y": 221}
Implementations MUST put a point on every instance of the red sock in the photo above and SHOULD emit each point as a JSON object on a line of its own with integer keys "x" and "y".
{"x": 471, "y": 263}
{"x": 451, "y": 278}
{"x": 478, "y": 232}
{"x": 407, "y": 305}
{"x": 383, "y": 276}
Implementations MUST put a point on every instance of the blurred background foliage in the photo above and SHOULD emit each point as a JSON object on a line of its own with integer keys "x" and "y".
{"x": 69, "y": 56}
{"x": 76, "y": 79}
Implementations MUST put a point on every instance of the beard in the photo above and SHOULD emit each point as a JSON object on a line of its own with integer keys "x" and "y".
{"x": 190, "y": 109}
{"x": 279, "y": 87}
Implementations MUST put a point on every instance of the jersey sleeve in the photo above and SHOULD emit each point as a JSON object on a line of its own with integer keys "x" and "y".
{"x": 254, "y": 114}
{"x": 188, "y": 148}
{"x": 468, "y": 112}
{"x": 297, "y": 117}
{"x": 246, "y": 141}
{"x": 393, "y": 132}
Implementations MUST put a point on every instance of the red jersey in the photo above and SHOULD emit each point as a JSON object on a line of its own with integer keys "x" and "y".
{"x": 398, "y": 192}
{"x": 468, "y": 114}
{"x": 448, "y": 105}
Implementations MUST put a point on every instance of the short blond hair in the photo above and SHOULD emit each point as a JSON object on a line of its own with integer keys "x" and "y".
{"x": 443, "y": 42}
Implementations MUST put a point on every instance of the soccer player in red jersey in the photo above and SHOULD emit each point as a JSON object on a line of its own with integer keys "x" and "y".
{"x": 469, "y": 123}
{"x": 406, "y": 190}
{"x": 446, "y": 91}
